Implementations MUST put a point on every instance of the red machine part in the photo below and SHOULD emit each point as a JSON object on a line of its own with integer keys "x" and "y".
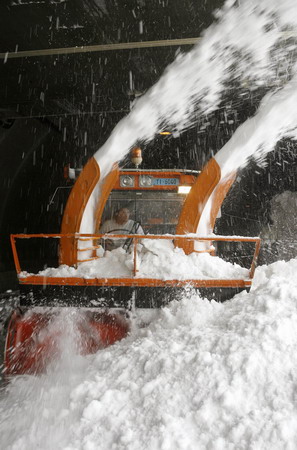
{"x": 31, "y": 346}
{"x": 23, "y": 352}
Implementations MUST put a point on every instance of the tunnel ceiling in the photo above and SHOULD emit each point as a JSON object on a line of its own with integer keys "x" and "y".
{"x": 74, "y": 84}
{"x": 83, "y": 96}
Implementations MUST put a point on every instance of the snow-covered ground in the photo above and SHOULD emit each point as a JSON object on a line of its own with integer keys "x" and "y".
{"x": 200, "y": 375}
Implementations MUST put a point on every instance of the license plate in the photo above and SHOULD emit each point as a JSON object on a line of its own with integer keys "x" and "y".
{"x": 166, "y": 182}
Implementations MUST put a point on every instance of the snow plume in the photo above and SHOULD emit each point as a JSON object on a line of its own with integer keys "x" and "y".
{"x": 276, "y": 118}
{"x": 248, "y": 42}
{"x": 200, "y": 375}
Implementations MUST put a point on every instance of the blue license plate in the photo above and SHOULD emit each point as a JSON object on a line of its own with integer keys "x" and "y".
{"x": 166, "y": 182}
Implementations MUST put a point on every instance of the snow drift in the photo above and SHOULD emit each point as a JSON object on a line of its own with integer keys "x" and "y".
{"x": 200, "y": 375}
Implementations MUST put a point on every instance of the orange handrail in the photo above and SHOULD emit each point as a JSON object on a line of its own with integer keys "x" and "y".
{"x": 135, "y": 239}
{"x": 140, "y": 282}
{"x": 14, "y": 253}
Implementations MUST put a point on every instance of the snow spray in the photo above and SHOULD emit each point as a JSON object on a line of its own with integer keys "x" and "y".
{"x": 250, "y": 42}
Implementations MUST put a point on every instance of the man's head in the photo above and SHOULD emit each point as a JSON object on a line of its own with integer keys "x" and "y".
{"x": 122, "y": 216}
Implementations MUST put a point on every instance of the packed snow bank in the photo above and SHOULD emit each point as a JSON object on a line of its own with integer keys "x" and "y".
{"x": 157, "y": 259}
{"x": 280, "y": 236}
{"x": 201, "y": 375}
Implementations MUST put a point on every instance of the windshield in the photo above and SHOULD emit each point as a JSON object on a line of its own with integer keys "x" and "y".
{"x": 157, "y": 211}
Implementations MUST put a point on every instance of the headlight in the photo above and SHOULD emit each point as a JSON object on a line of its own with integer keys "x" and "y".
{"x": 145, "y": 181}
{"x": 126, "y": 181}
{"x": 183, "y": 189}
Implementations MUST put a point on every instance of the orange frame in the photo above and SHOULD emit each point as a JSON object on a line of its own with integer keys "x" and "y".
{"x": 184, "y": 179}
{"x": 134, "y": 281}
{"x": 83, "y": 188}
{"x": 207, "y": 184}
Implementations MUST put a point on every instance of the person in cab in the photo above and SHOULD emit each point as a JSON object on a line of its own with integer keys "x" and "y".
{"x": 120, "y": 224}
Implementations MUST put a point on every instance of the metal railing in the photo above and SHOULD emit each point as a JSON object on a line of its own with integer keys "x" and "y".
{"x": 135, "y": 240}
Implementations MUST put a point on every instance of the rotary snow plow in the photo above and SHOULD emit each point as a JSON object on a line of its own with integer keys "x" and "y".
{"x": 169, "y": 247}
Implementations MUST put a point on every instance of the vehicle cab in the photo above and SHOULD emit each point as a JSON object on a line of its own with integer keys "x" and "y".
{"x": 154, "y": 197}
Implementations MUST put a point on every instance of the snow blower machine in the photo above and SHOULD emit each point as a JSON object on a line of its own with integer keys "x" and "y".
{"x": 170, "y": 247}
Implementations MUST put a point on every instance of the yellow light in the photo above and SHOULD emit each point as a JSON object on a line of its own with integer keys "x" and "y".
{"x": 165, "y": 133}
{"x": 183, "y": 189}
{"x": 136, "y": 156}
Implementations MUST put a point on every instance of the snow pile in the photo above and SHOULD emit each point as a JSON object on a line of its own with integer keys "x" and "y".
{"x": 201, "y": 375}
{"x": 157, "y": 259}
